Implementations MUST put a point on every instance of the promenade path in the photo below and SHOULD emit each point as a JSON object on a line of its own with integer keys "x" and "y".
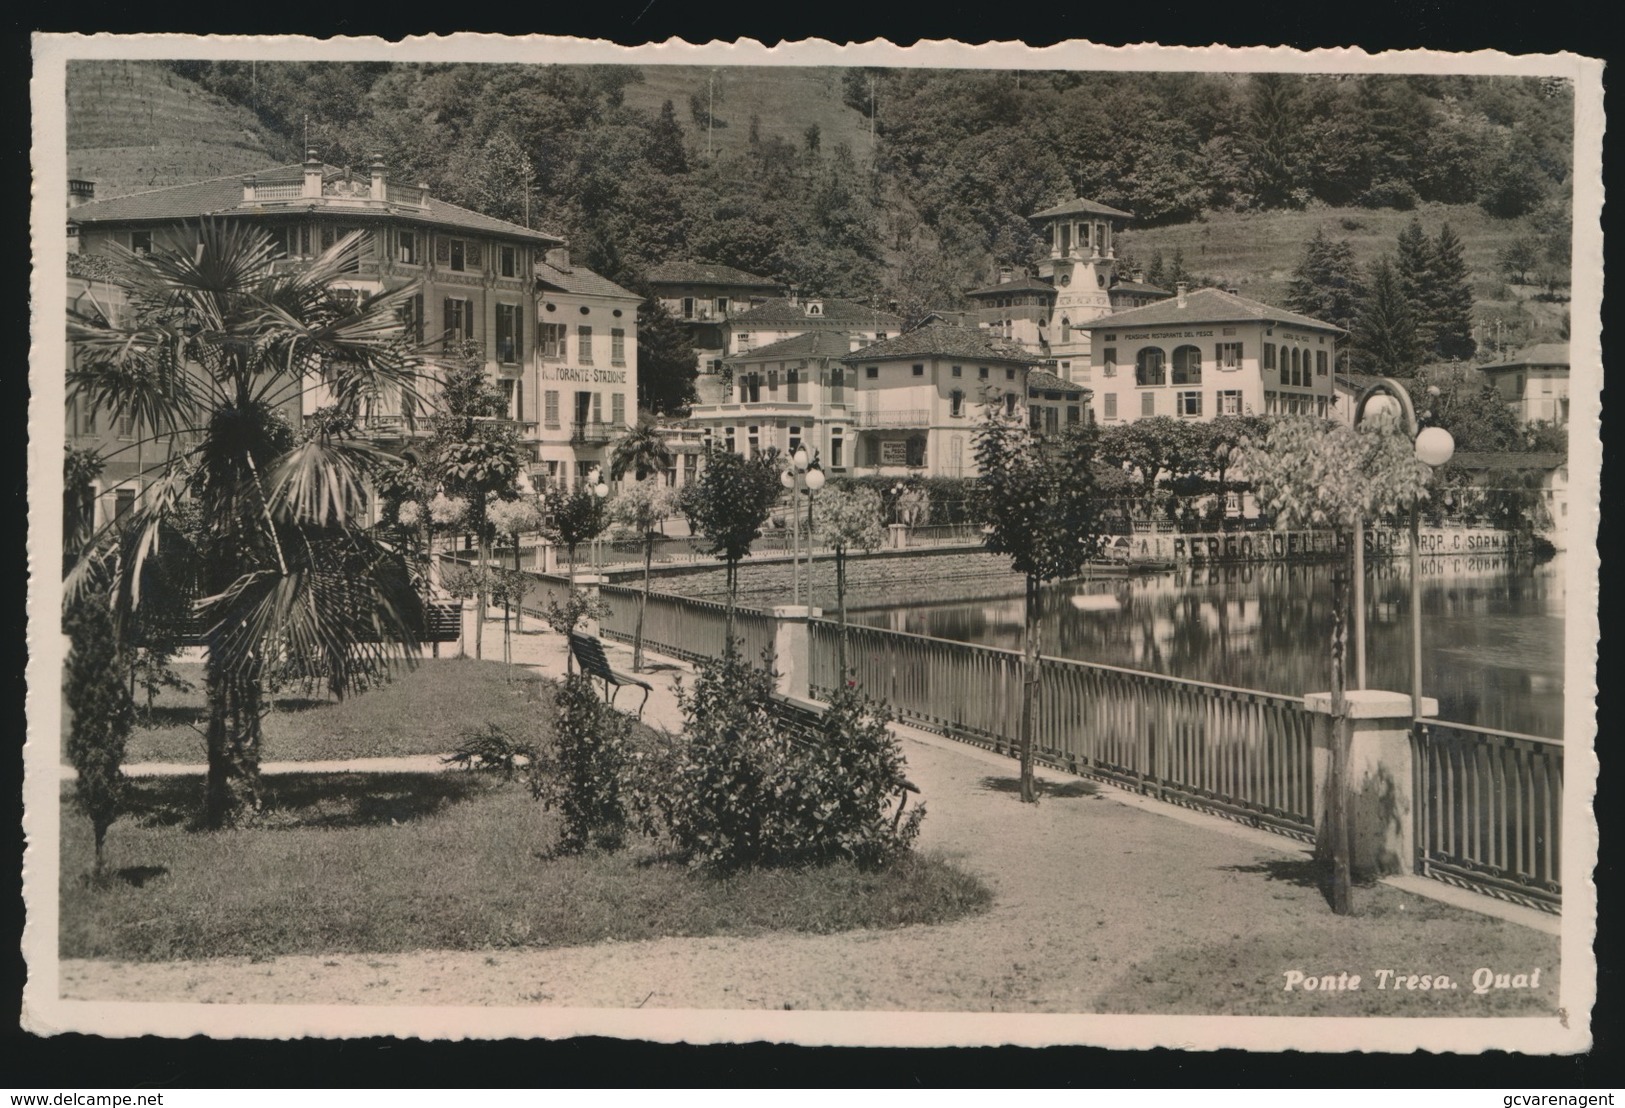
{"x": 1093, "y": 890}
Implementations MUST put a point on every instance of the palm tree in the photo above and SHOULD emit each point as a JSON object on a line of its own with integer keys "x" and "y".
{"x": 642, "y": 450}
{"x": 252, "y": 521}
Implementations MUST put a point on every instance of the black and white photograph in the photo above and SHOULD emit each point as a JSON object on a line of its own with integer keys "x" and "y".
{"x": 833, "y": 545}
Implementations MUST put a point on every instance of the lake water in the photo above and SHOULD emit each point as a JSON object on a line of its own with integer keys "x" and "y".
{"x": 1492, "y": 630}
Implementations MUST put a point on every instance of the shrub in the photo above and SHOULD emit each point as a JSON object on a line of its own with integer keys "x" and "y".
{"x": 103, "y": 716}
{"x": 492, "y": 749}
{"x": 583, "y": 779}
{"x": 1399, "y": 195}
{"x": 743, "y": 788}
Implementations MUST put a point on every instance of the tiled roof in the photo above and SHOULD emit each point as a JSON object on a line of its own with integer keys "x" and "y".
{"x": 1019, "y": 284}
{"x": 1045, "y": 380}
{"x": 581, "y": 282}
{"x": 1138, "y": 286}
{"x": 832, "y": 310}
{"x": 706, "y": 273}
{"x": 1202, "y": 306}
{"x": 813, "y": 344}
{"x": 943, "y": 340}
{"x": 1544, "y": 353}
{"x": 1081, "y": 206}
{"x": 224, "y": 196}
{"x": 1506, "y": 460}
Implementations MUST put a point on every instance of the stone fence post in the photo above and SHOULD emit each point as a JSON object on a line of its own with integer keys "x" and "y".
{"x": 792, "y": 653}
{"x": 898, "y": 534}
{"x": 1381, "y": 805}
{"x": 546, "y": 557}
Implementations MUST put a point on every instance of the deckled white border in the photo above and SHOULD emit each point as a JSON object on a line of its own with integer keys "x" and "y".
{"x": 45, "y": 1012}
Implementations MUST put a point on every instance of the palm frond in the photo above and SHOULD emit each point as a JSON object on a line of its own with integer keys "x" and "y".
{"x": 324, "y": 481}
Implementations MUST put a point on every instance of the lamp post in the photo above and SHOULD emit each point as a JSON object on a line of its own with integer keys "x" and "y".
{"x": 1434, "y": 447}
{"x": 600, "y": 490}
{"x": 805, "y": 476}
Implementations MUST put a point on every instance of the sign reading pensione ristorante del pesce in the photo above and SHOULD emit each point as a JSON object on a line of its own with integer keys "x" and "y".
{"x": 581, "y": 376}
{"x": 1168, "y": 335}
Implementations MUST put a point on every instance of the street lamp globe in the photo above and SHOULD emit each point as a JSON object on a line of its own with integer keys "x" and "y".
{"x": 800, "y": 459}
{"x": 788, "y": 478}
{"x": 1435, "y": 446}
{"x": 1381, "y": 406}
{"x": 814, "y": 480}
{"x": 600, "y": 490}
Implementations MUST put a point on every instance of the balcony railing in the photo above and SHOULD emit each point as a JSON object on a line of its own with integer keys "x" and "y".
{"x": 910, "y": 417}
{"x": 591, "y": 431}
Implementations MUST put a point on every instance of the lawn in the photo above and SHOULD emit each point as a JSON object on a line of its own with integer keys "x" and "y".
{"x": 452, "y": 861}
{"x": 424, "y": 710}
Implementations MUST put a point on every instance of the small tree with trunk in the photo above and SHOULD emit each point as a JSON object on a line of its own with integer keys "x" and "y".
{"x": 849, "y": 519}
{"x": 1038, "y": 505}
{"x": 513, "y": 518}
{"x": 571, "y": 518}
{"x": 1310, "y": 473}
{"x": 642, "y": 507}
{"x": 728, "y": 505}
{"x": 103, "y": 715}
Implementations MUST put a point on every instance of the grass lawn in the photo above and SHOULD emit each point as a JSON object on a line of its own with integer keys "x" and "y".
{"x": 397, "y": 862}
{"x": 423, "y": 711}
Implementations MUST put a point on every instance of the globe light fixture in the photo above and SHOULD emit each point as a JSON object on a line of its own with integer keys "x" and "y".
{"x": 1435, "y": 446}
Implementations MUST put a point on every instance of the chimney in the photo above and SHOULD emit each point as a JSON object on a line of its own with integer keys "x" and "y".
{"x": 313, "y": 175}
{"x": 558, "y": 258}
{"x": 1138, "y": 276}
{"x": 81, "y": 192}
{"x": 794, "y": 295}
{"x": 378, "y": 186}
{"x": 250, "y": 186}
{"x": 1179, "y": 293}
{"x": 1005, "y": 275}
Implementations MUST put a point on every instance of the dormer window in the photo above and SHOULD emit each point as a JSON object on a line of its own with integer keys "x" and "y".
{"x": 815, "y": 307}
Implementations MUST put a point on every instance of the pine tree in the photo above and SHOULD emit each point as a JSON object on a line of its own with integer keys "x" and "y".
{"x": 1384, "y": 332}
{"x": 1451, "y": 298}
{"x": 1416, "y": 270}
{"x": 1326, "y": 284}
{"x": 667, "y": 152}
{"x": 1156, "y": 274}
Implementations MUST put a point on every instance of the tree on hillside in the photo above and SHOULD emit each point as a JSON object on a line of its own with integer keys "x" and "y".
{"x": 215, "y": 344}
{"x": 1451, "y": 298}
{"x": 1417, "y": 268}
{"x": 727, "y": 507}
{"x": 667, "y": 153}
{"x": 1383, "y": 340}
{"x": 1326, "y": 283}
{"x": 1273, "y": 136}
{"x": 1517, "y": 258}
{"x": 1038, "y": 505}
{"x": 666, "y": 361}
{"x": 1511, "y": 184}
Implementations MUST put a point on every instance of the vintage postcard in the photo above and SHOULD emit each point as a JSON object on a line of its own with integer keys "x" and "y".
{"x": 942, "y": 545}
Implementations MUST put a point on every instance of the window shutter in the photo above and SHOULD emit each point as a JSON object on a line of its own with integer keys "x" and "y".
{"x": 451, "y": 315}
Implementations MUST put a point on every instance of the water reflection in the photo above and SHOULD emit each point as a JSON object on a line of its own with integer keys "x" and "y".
{"x": 1492, "y": 630}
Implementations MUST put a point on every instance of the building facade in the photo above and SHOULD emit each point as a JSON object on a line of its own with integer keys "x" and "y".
{"x": 584, "y": 389}
{"x": 915, "y": 399}
{"x": 1534, "y": 383}
{"x": 703, "y": 297}
{"x": 1208, "y": 353}
{"x": 1082, "y": 267}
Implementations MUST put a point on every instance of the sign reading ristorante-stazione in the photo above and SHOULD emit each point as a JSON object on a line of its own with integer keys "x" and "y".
{"x": 584, "y": 376}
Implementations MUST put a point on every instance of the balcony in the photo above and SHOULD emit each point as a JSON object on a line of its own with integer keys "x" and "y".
{"x": 591, "y": 431}
{"x": 902, "y": 417}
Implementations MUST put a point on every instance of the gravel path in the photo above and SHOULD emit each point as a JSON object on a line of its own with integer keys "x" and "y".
{"x": 1086, "y": 887}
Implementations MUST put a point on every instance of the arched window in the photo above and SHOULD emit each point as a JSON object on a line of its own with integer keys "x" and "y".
{"x": 1066, "y": 329}
{"x": 1149, "y": 368}
{"x": 1188, "y": 365}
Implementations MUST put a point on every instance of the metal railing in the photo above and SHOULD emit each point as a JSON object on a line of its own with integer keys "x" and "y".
{"x": 681, "y": 628}
{"x": 1490, "y": 810}
{"x": 1238, "y": 752}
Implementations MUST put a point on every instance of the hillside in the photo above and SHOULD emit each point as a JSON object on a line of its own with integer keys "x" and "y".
{"x": 786, "y": 99}
{"x": 137, "y": 125}
{"x": 1255, "y": 253}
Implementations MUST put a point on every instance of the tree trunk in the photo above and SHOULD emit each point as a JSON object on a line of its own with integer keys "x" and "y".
{"x": 643, "y": 601}
{"x": 232, "y": 787}
{"x": 484, "y": 556}
{"x": 840, "y": 607}
{"x": 1338, "y": 830}
{"x": 1029, "y": 692}
{"x": 100, "y": 869}
{"x": 728, "y": 625}
{"x": 519, "y": 601}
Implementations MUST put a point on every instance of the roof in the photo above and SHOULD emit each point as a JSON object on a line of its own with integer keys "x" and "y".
{"x": 813, "y": 344}
{"x": 1507, "y": 460}
{"x": 581, "y": 282}
{"x": 785, "y": 310}
{"x": 1019, "y": 284}
{"x": 1203, "y": 306}
{"x": 1138, "y": 286}
{"x": 943, "y": 340}
{"x": 706, "y": 273}
{"x": 223, "y": 196}
{"x": 1080, "y": 206}
{"x": 1543, "y": 353}
{"x": 1048, "y": 382}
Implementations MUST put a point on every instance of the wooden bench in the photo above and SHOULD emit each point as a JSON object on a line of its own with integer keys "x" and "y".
{"x": 589, "y": 655}
{"x": 804, "y": 720}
